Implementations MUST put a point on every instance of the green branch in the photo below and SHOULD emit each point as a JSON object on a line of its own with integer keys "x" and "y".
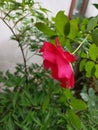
{"x": 81, "y": 43}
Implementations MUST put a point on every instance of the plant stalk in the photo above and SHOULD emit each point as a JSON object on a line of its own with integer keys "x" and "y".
{"x": 81, "y": 43}
{"x": 21, "y": 48}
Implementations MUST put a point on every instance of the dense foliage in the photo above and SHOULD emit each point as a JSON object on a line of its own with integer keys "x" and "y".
{"x": 30, "y": 98}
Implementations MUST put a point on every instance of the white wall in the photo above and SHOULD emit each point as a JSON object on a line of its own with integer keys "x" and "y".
{"x": 55, "y": 5}
{"x": 9, "y": 51}
{"x": 91, "y": 10}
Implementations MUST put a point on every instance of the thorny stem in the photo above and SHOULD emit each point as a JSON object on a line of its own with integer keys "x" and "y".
{"x": 81, "y": 43}
{"x": 22, "y": 51}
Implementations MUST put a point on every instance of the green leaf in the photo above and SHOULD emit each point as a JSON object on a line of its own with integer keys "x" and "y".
{"x": 44, "y": 10}
{"x": 15, "y": 99}
{"x": 28, "y": 117}
{"x": 94, "y": 35}
{"x": 89, "y": 67}
{"x": 83, "y": 55}
{"x": 83, "y": 126}
{"x": 96, "y": 5}
{"x": 74, "y": 120}
{"x": 67, "y": 93}
{"x": 82, "y": 64}
{"x": 91, "y": 92}
{"x": 62, "y": 40}
{"x": 10, "y": 123}
{"x": 83, "y": 24}
{"x": 62, "y": 23}
{"x": 37, "y": 121}
{"x": 73, "y": 29}
{"x": 26, "y": 99}
{"x": 93, "y": 52}
{"x": 78, "y": 105}
{"x": 85, "y": 96}
{"x": 96, "y": 70}
{"x": 92, "y": 23}
{"x": 69, "y": 127}
{"x": 45, "y": 29}
{"x": 45, "y": 104}
{"x": 23, "y": 127}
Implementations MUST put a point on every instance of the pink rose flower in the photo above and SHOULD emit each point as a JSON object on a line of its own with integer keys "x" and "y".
{"x": 59, "y": 61}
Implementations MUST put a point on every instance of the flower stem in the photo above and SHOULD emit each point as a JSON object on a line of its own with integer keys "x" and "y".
{"x": 81, "y": 43}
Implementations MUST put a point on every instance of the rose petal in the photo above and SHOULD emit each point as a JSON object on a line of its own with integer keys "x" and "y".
{"x": 58, "y": 60}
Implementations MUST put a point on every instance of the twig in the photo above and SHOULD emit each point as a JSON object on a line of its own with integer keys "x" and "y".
{"x": 23, "y": 55}
{"x": 81, "y": 43}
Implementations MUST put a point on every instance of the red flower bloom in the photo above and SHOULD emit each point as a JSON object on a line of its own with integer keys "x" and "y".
{"x": 58, "y": 60}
